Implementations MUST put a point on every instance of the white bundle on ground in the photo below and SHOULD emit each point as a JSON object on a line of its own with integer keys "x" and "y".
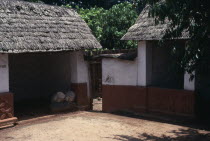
{"x": 70, "y": 96}
{"x": 58, "y": 97}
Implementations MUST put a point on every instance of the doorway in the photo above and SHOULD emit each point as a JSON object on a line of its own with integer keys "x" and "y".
{"x": 96, "y": 84}
{"x": 34, "y": 78}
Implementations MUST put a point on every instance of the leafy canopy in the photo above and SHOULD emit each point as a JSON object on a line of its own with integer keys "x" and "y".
{"x": 191, "y": 16}
{"x": 110, "y": 25}
{"x": 117, "y": 21}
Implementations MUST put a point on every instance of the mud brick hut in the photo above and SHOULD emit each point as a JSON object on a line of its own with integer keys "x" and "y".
{"x": 41, "y": 53}
{"x": 147, "y": 84}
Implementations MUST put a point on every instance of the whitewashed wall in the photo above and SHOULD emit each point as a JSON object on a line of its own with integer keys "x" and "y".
{"x": 189, "y": 84}
{"x": 149, "y": 68}
{"x": 4, "y": 73}
{"x": 79, "y": 69}
{"x": 144, "y": 63}
{"x": 119, "y": 72}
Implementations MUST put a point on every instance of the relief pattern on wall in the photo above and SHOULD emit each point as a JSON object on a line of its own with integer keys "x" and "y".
{"x": 6, "y": 106}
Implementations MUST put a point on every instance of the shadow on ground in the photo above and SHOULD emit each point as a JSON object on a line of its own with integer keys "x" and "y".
{"x": 27, "y": 110}
{"x": 186, "y": 122}
{"x": 179, "y": 135}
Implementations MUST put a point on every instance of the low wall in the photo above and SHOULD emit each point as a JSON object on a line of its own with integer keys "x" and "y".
{"x": 148, "y": 99}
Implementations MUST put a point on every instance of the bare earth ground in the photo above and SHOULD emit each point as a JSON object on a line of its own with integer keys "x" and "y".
{"x": 91, "y": 126}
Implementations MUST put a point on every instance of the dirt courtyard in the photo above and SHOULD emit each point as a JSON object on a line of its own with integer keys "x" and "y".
{"x": 91, "y": 126}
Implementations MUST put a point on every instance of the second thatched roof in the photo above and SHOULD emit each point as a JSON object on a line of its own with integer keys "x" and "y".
{"x": 146, "y": 29}
{"x": 32, "y": 27}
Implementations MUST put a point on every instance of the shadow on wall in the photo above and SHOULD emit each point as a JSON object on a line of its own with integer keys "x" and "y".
{"x": 203, "y": 97}
{"x": 203, "y": 107}
{"x": 178, "y": 135}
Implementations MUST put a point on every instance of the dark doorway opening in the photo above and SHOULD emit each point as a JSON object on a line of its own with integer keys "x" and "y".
{"x": 34, "y": 78}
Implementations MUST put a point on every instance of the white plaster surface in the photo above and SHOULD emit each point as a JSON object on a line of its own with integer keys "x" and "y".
{"x": 119, "y": 72}
{"x": 73, "y": 67}
{"x": 149, "y": 69}
{"x": 79, "y": 69}
{"x": 4, "y": 73}
{"x": 144, "y": 63}
{"x": 188, "y": 85}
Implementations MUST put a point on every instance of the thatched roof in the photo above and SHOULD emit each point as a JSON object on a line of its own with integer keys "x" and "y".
{"x": 33, "y": 27}
{"x": 146, "y": 29}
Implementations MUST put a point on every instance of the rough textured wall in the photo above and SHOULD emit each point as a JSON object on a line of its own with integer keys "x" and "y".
{"x": 4, "y": 73}
{"x": 119, "y": 72}
{"x": 35, "y": 76}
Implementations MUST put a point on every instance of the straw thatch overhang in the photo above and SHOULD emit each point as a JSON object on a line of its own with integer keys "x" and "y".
{"x": 33, "y": 27}
{"x": 146, "y": 29}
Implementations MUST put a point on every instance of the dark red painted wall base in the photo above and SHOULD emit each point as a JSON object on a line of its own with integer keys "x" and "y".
{"x": 148, "y": 99}
{"x": 82, "y": 99}
{"x": 6, "y": 109}
{"x": 171, "y": 101}
{"x": 123, "y": 98}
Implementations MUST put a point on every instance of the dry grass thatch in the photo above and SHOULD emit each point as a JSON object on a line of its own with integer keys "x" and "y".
{"x": 32, "y": 27}
{"x": 146, "y": 29}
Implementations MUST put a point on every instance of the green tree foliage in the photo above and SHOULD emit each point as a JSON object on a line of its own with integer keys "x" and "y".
{"x": 110, "y": 25}
{"x": 94, "y": 17}
{"x": 191, "y": 16}
{"x": 116, "y": 22}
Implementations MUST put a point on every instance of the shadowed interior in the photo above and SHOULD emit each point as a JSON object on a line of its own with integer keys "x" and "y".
{"x": 34, "y": 78}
